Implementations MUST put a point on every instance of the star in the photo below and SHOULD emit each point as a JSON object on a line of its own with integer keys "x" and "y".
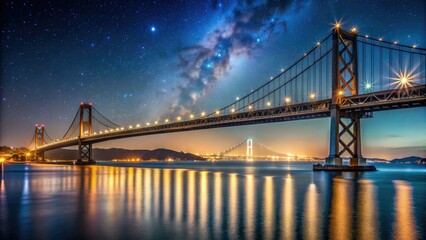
{"x": 153, "y": 29}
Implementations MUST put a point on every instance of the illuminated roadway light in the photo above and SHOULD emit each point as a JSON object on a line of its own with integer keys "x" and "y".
{"x": 217, "y": 112}
{"x": 312, "y": 96}
{"x": 366, "y": 36}
{"x": 138, "y": 125}
{"x": 395, "y": 42}
{"x": 287, "y": 99}
{"x": 100, "y": 132}
{"x": 414, "y": 46}
{"x": 203, "y": 114}
{"x": 191, "y": 116}
{"x": 318, "y": 43}
{"x": 167, "y": 120}
{"x": 250, "y": 107}
{"x": 341, "y": 92}
{"x": 117, "y": 129}
{"x": 404, "y": 80}
{"x": 122, "y": 128}
{"x": 268, "y": 104}
{"x": 178, "y": 118}
{"x": 380, "y": 39}
{"x": 156, "y": 122}
{"x": 232, "y": 110}
{"x": 354, "y": 30}
{"x": 282, "y": 69}
{"x": 148, "y": 124}
{"x": 237, "y": 98}
{"x": 337, "y": 25}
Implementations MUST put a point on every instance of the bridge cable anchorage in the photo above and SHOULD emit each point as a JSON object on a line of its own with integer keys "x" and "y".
{"x": 115, "y": 125}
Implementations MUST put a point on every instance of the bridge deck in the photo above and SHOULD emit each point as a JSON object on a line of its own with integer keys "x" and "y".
{"x": 378, "y": 101}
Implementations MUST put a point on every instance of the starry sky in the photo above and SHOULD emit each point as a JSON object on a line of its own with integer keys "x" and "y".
{"x": 140, "y": 61}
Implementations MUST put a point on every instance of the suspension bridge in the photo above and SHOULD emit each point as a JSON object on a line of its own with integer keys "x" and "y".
{"x": 346, "y": 77}
{"x": 250, "y": 150}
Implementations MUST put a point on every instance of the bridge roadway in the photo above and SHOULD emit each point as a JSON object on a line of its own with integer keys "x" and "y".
{"x": 377, "y": 101}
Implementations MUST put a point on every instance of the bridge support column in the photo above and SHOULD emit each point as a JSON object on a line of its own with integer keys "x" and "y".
{"x": 334, "y": 157}
{"x": 345, "y": 128}
{"x": 85, "y": 153}
{"x": 85, "y": 148}
{"x": 39, "y": 141}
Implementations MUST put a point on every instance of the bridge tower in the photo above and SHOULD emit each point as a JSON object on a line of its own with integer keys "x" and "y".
{"x": 249, "y": 151}
{"x": 85, "y": 148}
{"x": 345, "y": 129}
{"x": 39, "y": 141}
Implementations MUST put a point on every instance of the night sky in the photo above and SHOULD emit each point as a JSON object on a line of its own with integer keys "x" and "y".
{"x": 140, "y": 61}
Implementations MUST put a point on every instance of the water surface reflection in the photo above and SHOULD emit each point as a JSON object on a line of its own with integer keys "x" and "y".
{"x": 269, "y": 201}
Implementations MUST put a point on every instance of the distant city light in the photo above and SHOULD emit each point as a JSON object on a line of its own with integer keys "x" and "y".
{"x": 153, "y": 29}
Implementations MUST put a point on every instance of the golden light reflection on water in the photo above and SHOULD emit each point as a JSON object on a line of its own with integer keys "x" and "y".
{"x": 147, "y": 194}
{"x": 311, "y": 220}
{"x": 166, "y": 194}
{"x": 341, "y": 210}
{"x": 288, "y": 209}
{"x": 218, "y": 203}
{"x": 405, "y": 224}
{"x": 198, "y": 204}
{"x": 178, "y": 197}
{"x": 250, "y": 204}
{"x": 269, "y": 221}
{"x": 233, "y": 206}
{"x": 367, "y": 213}
{"x": 204, "y": 204}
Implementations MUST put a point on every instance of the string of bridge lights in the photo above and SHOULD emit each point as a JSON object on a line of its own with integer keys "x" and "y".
{"x": 403, "y": 79}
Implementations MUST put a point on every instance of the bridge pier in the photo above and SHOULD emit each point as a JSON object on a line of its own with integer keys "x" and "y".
{"x": 39, "y": 140}
{"x": 85, "y": 156}
{"x": 345, "y": 127}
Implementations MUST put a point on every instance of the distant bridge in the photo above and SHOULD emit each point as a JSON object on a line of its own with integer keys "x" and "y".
{"x": 346, "y": 76}
{"x": 250, "y": 150}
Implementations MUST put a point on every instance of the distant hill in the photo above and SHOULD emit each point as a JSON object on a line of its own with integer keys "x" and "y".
{"x": 164, "y": 154}
{"x": 410, "y": 160}
{"x": 120, "y": 153}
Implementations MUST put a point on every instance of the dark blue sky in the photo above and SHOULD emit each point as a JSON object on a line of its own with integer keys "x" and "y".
{"x": 136, "y": 61}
